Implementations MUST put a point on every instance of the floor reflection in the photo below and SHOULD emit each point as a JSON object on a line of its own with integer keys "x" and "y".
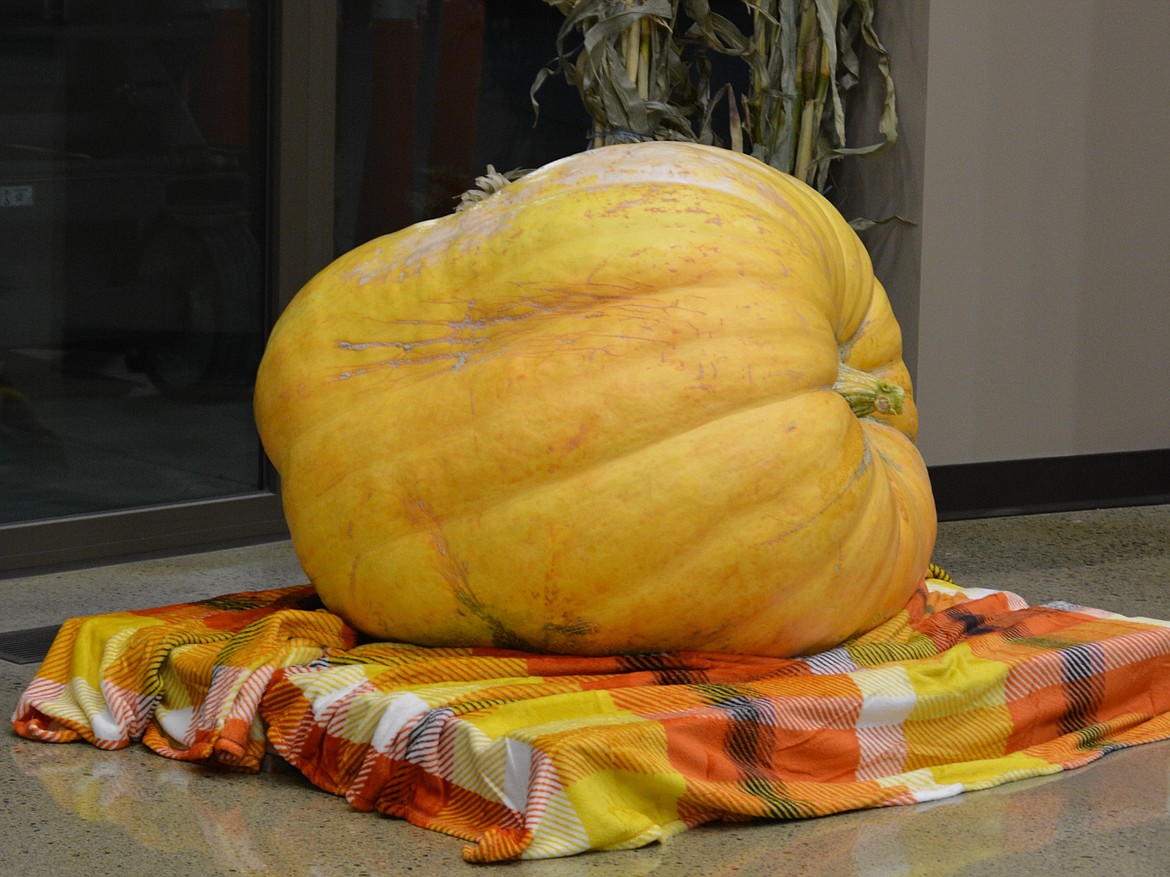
{"x": 276, "y": 823}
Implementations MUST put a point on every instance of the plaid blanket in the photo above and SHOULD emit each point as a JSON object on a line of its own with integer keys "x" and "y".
{"x": 537, "y": 756}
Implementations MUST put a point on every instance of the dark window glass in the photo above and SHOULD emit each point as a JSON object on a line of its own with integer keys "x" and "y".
{"x": 432, "y": 91}
{"x": 132, "y": 218}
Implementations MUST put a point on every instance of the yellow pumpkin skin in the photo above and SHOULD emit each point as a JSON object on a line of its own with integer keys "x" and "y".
{"x": 595, "y": 414}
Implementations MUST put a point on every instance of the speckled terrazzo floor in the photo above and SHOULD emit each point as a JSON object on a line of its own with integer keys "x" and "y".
{"x": 78, "y": 811}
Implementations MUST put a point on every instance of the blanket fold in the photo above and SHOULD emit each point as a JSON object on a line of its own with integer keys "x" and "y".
{"x": 536, "y": 756}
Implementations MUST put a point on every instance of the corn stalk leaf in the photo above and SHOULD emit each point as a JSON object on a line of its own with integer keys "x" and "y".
{"x": 644, "y": 70}
{"x": 888, "y": 122}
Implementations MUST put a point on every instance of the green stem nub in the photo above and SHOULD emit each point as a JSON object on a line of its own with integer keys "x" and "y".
{"x": 867, "y": 393}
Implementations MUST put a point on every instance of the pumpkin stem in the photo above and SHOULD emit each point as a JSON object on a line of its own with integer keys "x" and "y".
{"x": 487, "y": 185}
{"x": 867, "y": 393}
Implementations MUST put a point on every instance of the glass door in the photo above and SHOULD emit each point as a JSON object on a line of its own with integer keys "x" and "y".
{"x": 133, "y": 227}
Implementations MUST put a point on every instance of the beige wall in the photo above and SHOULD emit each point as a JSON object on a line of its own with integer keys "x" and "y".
{"x": 1043, "y": 303}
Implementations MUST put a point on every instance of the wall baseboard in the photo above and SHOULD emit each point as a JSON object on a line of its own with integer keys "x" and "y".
{"x": 116, "y": 536}
{"x": 1051, "y": 484}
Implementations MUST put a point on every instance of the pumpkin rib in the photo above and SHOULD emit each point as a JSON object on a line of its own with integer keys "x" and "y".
{"x": 474, "y": 503}
{"x": 519, "y": 343}
{"x": 681, "y": 350}
{"x": 464, "y": 243}
{"x": 536, "y": 478}
{"x": 781, "y": 590}
{"x": 883, "y": 603}
{"x": 683, "y": 414}
{"x": 750, "y": 197}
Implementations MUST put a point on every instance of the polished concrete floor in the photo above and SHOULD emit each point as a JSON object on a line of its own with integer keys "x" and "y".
{"x": 78, "y": 811}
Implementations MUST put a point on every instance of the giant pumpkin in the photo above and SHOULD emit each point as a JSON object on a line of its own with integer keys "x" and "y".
{"x": 648, "y": 397}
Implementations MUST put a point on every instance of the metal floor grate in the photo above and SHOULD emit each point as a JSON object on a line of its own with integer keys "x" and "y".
{"x": 27, "y": 646}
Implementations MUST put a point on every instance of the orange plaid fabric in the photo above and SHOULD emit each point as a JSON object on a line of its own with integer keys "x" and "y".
{"x": 536, "y": 756}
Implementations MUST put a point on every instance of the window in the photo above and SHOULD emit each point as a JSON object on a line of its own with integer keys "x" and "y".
{"x": 134, "y": 219}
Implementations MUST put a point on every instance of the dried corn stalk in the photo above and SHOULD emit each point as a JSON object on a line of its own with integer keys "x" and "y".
{"x": 644, "y": 72}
